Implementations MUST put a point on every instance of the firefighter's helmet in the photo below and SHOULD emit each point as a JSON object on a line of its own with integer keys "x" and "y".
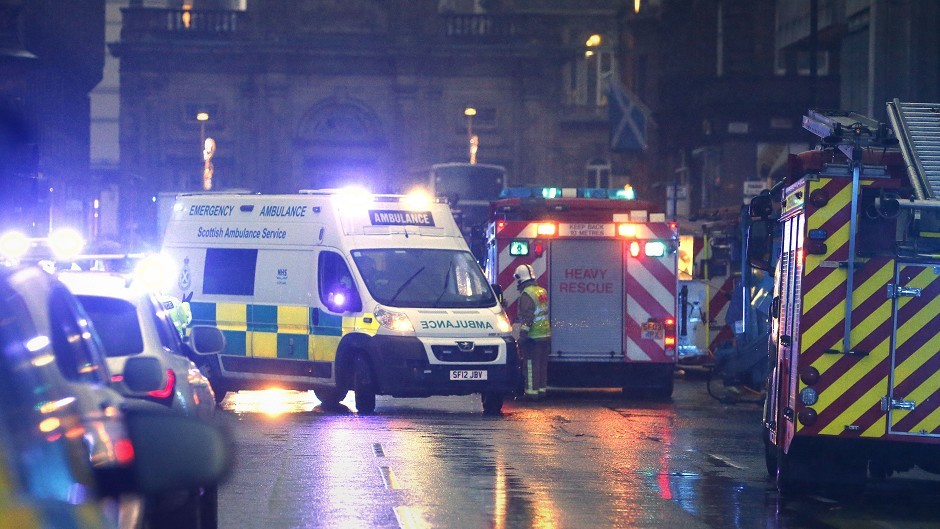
{"x": 524, "y": 272}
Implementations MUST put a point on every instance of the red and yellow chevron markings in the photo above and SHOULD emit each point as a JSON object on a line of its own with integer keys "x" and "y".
{"x": 851, "y": 387}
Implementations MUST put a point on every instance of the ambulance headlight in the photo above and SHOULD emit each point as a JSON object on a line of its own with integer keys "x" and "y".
{"x": 392, "y": 320}
{"x": 155, "y": 272}
{"x": 502, "y": 323}
{"x": 66, "y": 244}
{"x": 13, "y": 245}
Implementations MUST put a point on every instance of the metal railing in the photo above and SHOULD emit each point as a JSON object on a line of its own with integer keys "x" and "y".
{"x": 144, "y": 21}
{"x": 480, "y": 27}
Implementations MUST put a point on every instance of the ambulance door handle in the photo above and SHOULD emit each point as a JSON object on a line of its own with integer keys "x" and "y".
{"x": 314, "y": 317}
{"x": 895, "y": 291}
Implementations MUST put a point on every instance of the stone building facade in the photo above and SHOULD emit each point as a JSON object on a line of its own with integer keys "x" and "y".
{"x": 326, "y": 93}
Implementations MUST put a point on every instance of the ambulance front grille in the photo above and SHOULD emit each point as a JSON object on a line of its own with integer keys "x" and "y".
{"x": 453, "y": 353}
{"x": 917, "y": 127}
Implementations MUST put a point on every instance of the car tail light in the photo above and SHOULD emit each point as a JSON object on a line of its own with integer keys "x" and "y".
{"x": 166, "y": 391}
{"x": 124, "y": 451}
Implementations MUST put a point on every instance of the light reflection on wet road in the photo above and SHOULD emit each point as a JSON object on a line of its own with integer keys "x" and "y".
{"x": 581, "y": 459}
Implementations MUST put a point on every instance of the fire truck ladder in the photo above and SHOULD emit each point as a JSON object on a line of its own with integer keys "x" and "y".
{"x": 850, "y": 133}
{"x": 917, "y": 126}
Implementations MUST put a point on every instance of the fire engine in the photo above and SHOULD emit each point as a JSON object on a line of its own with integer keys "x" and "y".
{"x": 855, "y": 316}
{"x": 609, "y": 263}
{"x": 708, "y": 269}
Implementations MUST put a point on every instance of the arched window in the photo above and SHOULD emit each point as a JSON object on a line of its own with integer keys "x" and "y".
{"x": 586, "y": 77}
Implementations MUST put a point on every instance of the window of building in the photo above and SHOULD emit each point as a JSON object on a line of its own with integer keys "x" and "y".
{"x": 598, "y": 172}
{"x": 587, "y": 76}
{"x": 230, "y": 271}
{"x": 798, "y": 62}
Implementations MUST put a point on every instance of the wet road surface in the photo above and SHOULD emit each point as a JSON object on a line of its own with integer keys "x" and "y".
{"x": 579, "y": 459}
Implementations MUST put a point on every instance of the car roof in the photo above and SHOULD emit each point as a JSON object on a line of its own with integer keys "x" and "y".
{"x": 103, "y": 284}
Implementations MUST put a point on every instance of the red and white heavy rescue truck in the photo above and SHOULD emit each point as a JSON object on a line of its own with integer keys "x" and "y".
{"x": 609, "y": 264}
{"x": 855, "y": 321}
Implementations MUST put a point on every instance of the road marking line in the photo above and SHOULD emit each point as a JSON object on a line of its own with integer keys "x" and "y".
{"x": 377, "y": 450}
{"x": 388, "y": 477}
{"x": 725, "y": 461}
{"x": 409, "y": 518}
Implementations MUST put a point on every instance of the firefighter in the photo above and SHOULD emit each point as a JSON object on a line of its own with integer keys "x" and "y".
{"x": 534, "y": 331}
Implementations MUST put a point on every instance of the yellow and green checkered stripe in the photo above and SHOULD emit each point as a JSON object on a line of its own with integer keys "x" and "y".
{"x": 280, "y": 331}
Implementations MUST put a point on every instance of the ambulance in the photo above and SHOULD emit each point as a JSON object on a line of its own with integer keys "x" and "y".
{"x": 338, "y": 290}
{"x": 609, "y": 264}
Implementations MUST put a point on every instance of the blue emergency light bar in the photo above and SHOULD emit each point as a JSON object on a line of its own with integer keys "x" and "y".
{"x": 626, "y": 193}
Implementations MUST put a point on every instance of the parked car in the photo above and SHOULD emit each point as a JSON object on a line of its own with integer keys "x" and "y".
{"x": 133, "y": 322}
{"x": 73, "y": 451}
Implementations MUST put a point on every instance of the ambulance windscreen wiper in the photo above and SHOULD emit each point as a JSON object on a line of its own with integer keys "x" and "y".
{"x": 405, "y": 284}
{"x": 443, "y": 290}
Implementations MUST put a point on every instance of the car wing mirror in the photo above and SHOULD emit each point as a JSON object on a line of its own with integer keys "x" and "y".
{"x": 142, "y": 374}
{"x": 206, "y": 339}
{"x": 176, "y": 452}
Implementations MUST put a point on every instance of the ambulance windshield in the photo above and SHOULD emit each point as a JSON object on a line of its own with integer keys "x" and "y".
{"x": 424, "y": 278}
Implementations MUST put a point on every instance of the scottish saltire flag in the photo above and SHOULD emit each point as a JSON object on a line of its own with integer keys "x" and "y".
{"x": 628, "y": 119}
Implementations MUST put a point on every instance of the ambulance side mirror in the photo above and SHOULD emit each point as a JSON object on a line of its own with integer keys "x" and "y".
{"x": 498, "y": 290}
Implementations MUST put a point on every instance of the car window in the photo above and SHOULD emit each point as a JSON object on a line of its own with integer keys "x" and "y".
{"x": 73, "y": 340}
{"x": 117, "y": 324}
{"x": 169, "y": 336}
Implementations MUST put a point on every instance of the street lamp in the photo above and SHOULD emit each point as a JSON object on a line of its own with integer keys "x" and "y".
{"x": 202, "y": 118}
{"x": 473, "y": 141}
{"x": 208, "y": 149}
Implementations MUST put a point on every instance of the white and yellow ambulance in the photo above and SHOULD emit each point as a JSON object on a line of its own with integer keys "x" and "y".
{"x": 338, "y": 290}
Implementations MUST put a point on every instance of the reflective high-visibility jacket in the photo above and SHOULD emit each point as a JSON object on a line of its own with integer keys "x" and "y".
{"x": 533, "y": 312}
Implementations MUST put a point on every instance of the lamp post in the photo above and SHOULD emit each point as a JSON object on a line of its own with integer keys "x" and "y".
{"x": 208, "y": 149}
{"x": 473, "y": 141}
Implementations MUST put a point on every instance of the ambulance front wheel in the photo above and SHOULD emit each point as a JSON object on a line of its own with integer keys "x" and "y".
{"x": 364, "y": 386}
{"x": 492, "y": 403}
{"x": 329, "y": 397}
